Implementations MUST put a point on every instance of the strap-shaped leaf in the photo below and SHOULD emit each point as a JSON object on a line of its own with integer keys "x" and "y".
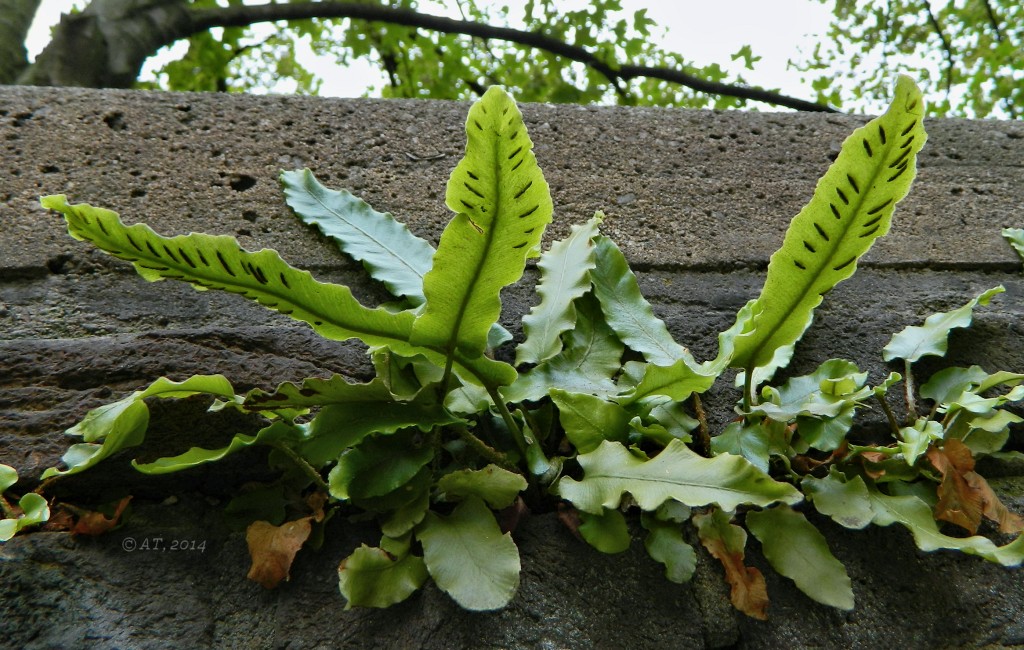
{"x": 217, "y": 262}
{"x": 627, "y": 311}
{"x": 119, "y": 425}
{"x": 564, "y": 277}
{"x": 916, "y": 516}
{"x": 503, "y": 205}
{"x": 797, "y": 550}
{"x": 276, "y": 432}
{"x": 391, "y": 254}
{"x": 852, "y": 207}
{"x": 676, "y": 473}
{"x": 590, "y": 357}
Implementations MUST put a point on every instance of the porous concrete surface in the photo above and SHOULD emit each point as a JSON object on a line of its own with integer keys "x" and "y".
{"x": 697, "y": 200}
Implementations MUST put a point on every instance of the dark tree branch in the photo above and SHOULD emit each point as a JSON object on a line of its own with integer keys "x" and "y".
{"x": 243, "y": 15}
{"x": 947, "y": 47}
{"x": 993, "y": 21}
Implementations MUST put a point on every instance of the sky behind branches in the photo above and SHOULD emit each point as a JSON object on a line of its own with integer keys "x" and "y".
{"x": 701, "y": 31}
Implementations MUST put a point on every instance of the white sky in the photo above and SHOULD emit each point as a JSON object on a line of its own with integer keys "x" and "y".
{"x": 702, "y": 31}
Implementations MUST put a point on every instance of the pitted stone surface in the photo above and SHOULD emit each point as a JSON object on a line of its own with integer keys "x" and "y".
{"x": 697, "y": 200}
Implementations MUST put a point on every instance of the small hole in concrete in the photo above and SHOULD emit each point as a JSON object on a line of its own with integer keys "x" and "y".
{"x": 115, "y": 121}
{"x": 242, "y": 182}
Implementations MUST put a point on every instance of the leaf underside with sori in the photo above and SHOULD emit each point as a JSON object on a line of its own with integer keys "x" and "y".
{"x": 503, "y": 205}
{"x": 851, "y": 208}
{"x": 388, "y": 250}
{"x": 217, "y": 262}
{"x": 564, "y": 277}
{"x": 610, "y": 471}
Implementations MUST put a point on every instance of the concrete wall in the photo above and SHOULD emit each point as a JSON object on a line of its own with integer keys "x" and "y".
{"x": 697, "y": 200}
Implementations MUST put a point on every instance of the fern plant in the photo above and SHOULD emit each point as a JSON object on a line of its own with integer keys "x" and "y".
{"x": 601, "y": 409}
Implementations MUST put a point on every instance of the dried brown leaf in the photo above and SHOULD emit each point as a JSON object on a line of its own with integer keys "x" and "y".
{"x": 725, "y": 542}
{"x": 94, "y": 523}
{"x": 273, "y": 548}
{"x": 964, "y": 495}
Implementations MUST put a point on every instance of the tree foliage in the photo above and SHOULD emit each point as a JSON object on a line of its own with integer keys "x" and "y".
{"x": 970, "y": 52}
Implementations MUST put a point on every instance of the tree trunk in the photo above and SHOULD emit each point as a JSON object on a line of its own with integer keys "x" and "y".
{"x": 15, "y": 20}
{"x": 106, "y": 44}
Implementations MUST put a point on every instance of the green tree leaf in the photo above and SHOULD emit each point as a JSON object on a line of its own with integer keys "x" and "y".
{"x": 588, "y": 420}
{"x": 607, "y": 532}
{"x": 796, "y": 549}
{"x": 627, "y": 311}
{"x": 564, "y": 277}
{"x": 502, "y": 205}
{"x": 676, "y": 473}
{"x": 932, "y": 339}
{"x": 373, "y": 577}
{"x": 391, "y": 254}
{"x": 119, "y": 425}
{"x": 469, "y": 558}
{"x": 852, "y": 206}
{"x": 496, "y": 486}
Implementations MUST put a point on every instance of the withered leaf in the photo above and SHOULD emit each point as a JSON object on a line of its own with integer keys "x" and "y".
{"x": 964, "y": 495}
{"x": 94, "y": 523}
{"x": 273, "y": 548}
{"x": 725, "y": 541}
